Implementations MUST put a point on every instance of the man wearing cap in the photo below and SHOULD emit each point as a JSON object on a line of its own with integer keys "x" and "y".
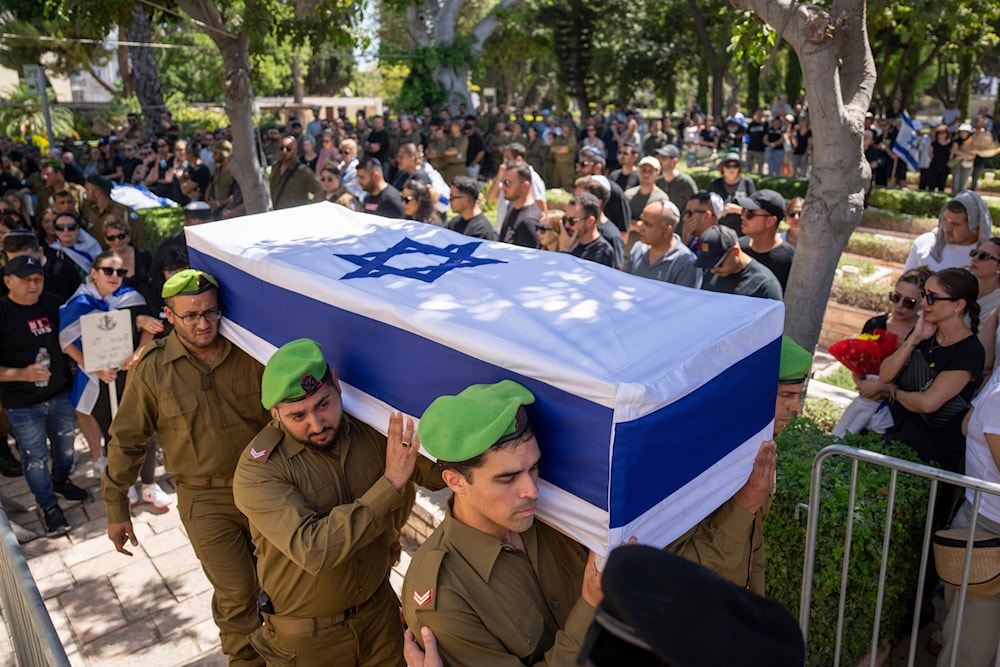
{"x": 35, "y": 394}
{"x": 495, "y": 587}
{"x": 678, "y": 185}
{"x": 201, "y": 395}
{"x": 99, "y": 209}
{"x": 728, "y": 269}
{"x": 61, "y": 276}
{"x": 645, "y": 192}
{"x": 762, "y": 211}
{"x": 660, "y": 254}
{"x": 730, "y": 541}
{"x": 325, "y": 495}
{"x": 224, "y": 197}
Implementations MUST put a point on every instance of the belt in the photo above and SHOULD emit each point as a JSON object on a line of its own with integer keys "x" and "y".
{"x": 298, "y": 626}
{"x": 204, "y": 482}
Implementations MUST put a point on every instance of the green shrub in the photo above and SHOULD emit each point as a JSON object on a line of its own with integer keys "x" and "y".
{"x": 840, "y": 377}
{"x": 890, "y": 221}
{"x": 159, "y": 223}
{"x": 823, "y": 412}
{"x": 878, "y": 247}
{"x": 785, "y": 535}
{"x": 918, "y": 203}
{"x": 857, "y": 293}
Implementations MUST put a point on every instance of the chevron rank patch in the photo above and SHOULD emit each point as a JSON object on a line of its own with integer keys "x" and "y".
{"x": 258, "y": 454}
{"x": 422, "y": 599}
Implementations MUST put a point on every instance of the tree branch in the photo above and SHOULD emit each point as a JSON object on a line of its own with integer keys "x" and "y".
{"x": 488, "y": 24}
{"x": 857, "y": 70}
{"x": 699, "y": 26}
{"x": 444, "y": 21}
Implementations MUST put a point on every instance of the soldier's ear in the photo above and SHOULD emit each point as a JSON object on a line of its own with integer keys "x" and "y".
{"x": 454, "y": 479}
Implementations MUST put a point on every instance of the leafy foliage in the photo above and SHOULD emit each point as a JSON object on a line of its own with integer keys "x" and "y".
{"x": 785, "y": 534}
{"x": 26, "y": 117}
{"x": 159, "y": 223}
{"x": 858, "y": 293}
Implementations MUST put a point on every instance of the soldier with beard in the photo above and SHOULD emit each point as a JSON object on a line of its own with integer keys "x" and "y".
{"x": 325, "y": 495}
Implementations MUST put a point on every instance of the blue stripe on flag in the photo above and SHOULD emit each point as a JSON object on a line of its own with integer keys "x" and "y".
{"x": 907, "y": 143}
{"x": 715, "y": 417}
{"x": 408, "y": 371}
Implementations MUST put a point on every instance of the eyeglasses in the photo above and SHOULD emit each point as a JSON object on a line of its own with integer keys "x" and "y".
{"x": 908, "y": 301}
{"x": 506, "y": 182}
{"x": 407, "y": 200}
{"x": 691, "y": 212}
{"x": 190, "y": 320}
{"x": 108, "y": 271}
{"x": 747, "y": 213}
{"x": 289, "y": 148}
{"x": 546, "y": 229}
{"x": 570, "y": 221}
{"x": 116, "y": 237}
{"x": 794, "y": 214}
{"x": 983, "y": 255}
{"x": 71, "y": 227}
{"x": 583, "y": 163}
{"x": 931, "y": 298}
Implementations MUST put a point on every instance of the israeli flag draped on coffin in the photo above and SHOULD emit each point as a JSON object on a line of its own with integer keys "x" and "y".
{"x": 652, "y": 399}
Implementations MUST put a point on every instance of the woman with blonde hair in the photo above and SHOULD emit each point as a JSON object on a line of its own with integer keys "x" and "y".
{"x": 548, "y": 229}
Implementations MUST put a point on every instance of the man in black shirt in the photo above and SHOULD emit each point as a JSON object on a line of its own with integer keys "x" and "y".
{"x": 36, "y": 394}
{"x": 381, "y": 199}
{"x": 465, "y": 202}
{"x": 762, "y": 211}
{"x": 61, "y": 278}
{"x": 377, "y": 143}
{"x": 756, "y": 131}
{"x": 520, "y": 226}
{"x": 616, "y": 208}
{"x": 627, "y": 176}
{"x": 579, "y": 236}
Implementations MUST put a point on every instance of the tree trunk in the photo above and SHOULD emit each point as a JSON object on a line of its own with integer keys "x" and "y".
{"x": 122, "y": 53}
{"x": 753, "y": 88}
{"x": 145, "y": 74}
{"x": 298, "y": 87}
{"x": 719, "y": 71}
{"x": 839, "y": 75}
{"x": 454, "y": 81}
{"x": 239, "y": 102}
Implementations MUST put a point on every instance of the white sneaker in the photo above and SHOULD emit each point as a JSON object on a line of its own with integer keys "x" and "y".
{"x": 133, "y": 496}
{"x": 156, "y": 496}
{"x": 99, "y": 465}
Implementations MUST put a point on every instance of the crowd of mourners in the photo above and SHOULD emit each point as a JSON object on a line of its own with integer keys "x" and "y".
{"x": 70, "y": 249}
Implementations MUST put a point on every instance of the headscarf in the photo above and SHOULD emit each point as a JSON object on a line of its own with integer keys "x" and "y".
{"x": 979, "y": 220}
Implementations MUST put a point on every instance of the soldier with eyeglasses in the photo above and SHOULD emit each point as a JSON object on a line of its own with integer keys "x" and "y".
{"x": 201, "y": 396}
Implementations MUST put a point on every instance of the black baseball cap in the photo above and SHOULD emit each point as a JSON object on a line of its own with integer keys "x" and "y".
{"x": 713, "y": 244}
{"x": 766, "y": 200}
{"x": 23, "y": 266}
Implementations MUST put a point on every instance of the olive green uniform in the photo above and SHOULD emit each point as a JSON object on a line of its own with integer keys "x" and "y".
{"x": 455, "y": 164}
{"x": 730, "y": 542}
{"x": 325, "y": 529}
{"x": 301, "y": 186}
{"x": 46, "y": 194}
{"x": 115, "y": 212}
{"x": 491, "y": 604}
{"x": 435, "y": 154}
{"x": 534, "y": 154}
{"x": 203, "y": 418}
{"x": 563, "y": 173}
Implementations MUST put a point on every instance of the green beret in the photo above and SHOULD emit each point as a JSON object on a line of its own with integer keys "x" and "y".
{"x": 297, "y": 370}
{"x": 55, "y": 164}
{"x": 795, "y": 362}
{"x": 101, "y": 182}
{"x": 188, "y": 282}
{"x": 459, "y": 428}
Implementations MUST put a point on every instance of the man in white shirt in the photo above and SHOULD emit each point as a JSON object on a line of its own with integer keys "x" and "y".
{"x": 963, "y": 224}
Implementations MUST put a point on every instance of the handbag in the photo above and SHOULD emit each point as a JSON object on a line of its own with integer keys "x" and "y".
{"x": 984, "y": 568}
{"x": 918, "y": 375}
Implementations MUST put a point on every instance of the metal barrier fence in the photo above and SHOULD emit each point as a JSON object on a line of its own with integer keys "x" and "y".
{"x": 896, "y": 466}
{"x": 32, "y": 634}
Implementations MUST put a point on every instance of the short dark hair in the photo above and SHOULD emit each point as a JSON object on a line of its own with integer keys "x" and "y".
{"x": 588, "y": 203}
{"x": 516, "y": 149}
{"x": 19, "y": 242}
{"x": 467, "y": 186}
{"x": 594, "y": 186}
{"x": 522, "y": 170}
{"x": 956, "y": 206}
{"x": 371, "y": 164}
{"x": 465, "y": 468}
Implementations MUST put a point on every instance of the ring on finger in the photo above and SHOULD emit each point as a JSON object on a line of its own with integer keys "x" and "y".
{"x": 405, "y": 444}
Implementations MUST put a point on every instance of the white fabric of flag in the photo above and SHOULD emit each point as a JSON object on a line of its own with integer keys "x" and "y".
{"x": 907, "y": 144}
{"x": 651, "y": 399}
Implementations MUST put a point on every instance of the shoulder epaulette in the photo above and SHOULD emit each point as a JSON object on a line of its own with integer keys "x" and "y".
{"x": 422, "y": 579}
{"x": 263, "y": 444}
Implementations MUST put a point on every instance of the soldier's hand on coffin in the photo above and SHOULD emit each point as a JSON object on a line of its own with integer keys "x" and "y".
{"x": 592, "y": 592}
{"x": 760, "y": 485}
{"x": 401, "y": 450}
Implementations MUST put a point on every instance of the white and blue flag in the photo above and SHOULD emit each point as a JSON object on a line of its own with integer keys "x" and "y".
{"x": 652, "y": 399}
{"x": 907, "y": 144}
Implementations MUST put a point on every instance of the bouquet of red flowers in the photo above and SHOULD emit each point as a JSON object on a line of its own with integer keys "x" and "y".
{"x": 863, "y": 355}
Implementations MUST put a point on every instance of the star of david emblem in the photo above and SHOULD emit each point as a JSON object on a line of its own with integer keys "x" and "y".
{"x": 456, "y": 256}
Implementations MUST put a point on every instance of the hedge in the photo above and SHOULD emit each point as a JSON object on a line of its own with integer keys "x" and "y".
{"x": 785, "y": 535}
{"x": 878, "y": 247}
{"x": 159, "y": 223}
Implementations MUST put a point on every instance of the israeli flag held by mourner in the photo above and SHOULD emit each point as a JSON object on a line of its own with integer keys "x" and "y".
{"x": 651, "y": 399}
{"x": 907, "y": 144}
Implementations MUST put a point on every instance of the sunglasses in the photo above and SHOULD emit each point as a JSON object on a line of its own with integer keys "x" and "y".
{"x": 116, "y": 237}
{"x": 546, "y": 229}
{"x": 407, "y": 200}
{"x": 583, "y": 163}
{"x": 908, "y": 301}
{"x": 71, "y": 227}
{"x": 747, "y": 213}
{"x": 931, "y": 298}
{"x": 983, "y": 255}
{"x": 286, "y": 149}
{"x": 506, "y": 182}
{"x": 108, "y": 271}
{"x": 570, "y": 221}
{"x": 794, "y": 214}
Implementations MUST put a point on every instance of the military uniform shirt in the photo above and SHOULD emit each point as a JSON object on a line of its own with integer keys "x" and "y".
{"x": 203, "y": 417}
{"x": 491, "y": 604}
{"x": 322, "y": 524}
{"x": 115, "y": 212}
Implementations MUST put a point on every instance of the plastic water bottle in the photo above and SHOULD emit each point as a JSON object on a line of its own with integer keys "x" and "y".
{"x": 43, "y": 359}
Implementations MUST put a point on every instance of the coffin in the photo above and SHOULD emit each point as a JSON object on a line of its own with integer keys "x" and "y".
{"x": 652, "y": 399}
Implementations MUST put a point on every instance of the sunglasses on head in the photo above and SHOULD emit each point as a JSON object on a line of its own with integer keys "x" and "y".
{"x": 67, "y": 228}
{"x": 908, "y": 301}
{"x": 983, "y": 255}
{"x": 109, "y": 271}
{"x": 116, "y": 237}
